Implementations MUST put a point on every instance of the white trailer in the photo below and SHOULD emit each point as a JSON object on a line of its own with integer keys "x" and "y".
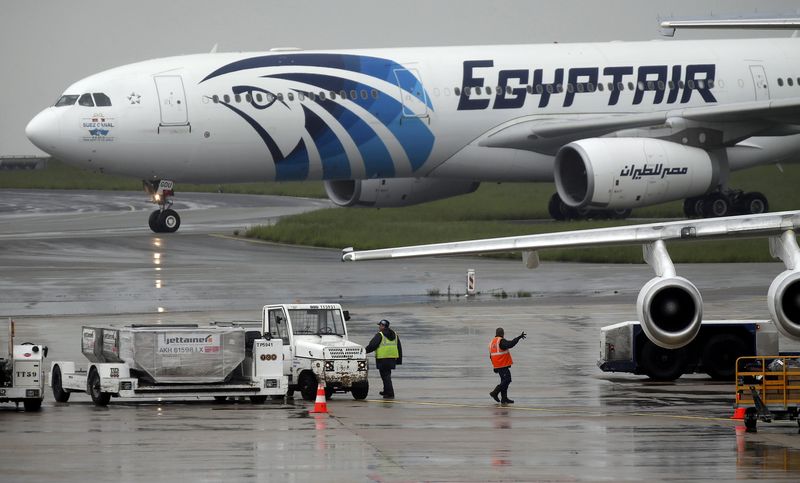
{"x": 172, "y": 362}
{"x": 22, "y": 373}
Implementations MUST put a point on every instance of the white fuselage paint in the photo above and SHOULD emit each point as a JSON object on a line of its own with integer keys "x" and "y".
{"x": 413, "y": 128}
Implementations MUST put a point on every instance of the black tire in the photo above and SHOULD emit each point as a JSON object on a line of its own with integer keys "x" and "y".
{"x": 153, "y": 221}
{"x": 751, "y": 419}
{"x": 328, "y": 393}
{"x": 754, "y": 203}
{"x": 620, "y": 214}
{"x": 360, "y": 391}
{"x": 59, "y": 394}
{"x": 169, "y": 221}
{"x": 258, "y": 399}
{"x": 99, "y": 398}
{"x": 32, "y": 405}
{"x": 662, "y": 364}
{"x": 557, "y": 208}
{"x": 720, "y": 354}
{"x": 220, "y": 399}
{"x": 716, "y": 205}
{"x": 693, "y": 207}
{"x": 308, "y": 386}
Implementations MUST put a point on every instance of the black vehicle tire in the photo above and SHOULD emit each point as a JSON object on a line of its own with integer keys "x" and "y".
{"x": 328, "y": 393}
{"x": 754, "y": 203}
{"x": 169, "y": 221}
{"x": 720, "y": 354}
{"x": 99, "y": 398}
{"x": 258, "y": 399}
{"x": 557, "y": 208}
{"x": 751, "y": 419}
{"x": 360, "y": 391}
{"x": 620, "y": 214}
{"x": 59, "y": 394}
{"x": 716, "y": 205}
{"x": 308, "y": 386}
{"x": 662, "y": 364}
{"x": 693, "y": 207}
{"x": 32, "y": 405}
{"x": 220, "y": 399}
{"x": 153, "y": 221}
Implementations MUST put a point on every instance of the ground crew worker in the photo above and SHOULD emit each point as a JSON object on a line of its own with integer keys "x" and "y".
{"x": 388, "y": 354}
{"x": 501, "y": 361}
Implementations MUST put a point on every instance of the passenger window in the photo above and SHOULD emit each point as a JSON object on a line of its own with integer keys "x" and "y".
{"x": 215, "y": 98}
{"x": 710, "y": 83}
{"x": 290, "y": 96}
{"x": 690, "y": 84}
{"x": 630, "y": 86}
{"x": 780, "y": 82}
{"x": 364, "y": 94}
{"x": 508, "y": 90}
{"x": 570, "y": 88}
{"x": 701, "y": 84}
{"x": 600, "y": 86}
{"x": 237, "y": 98}
{"x": 86, "y": 100}
{"x": 248, "y": 98}
{"x": 540, "y": 89}
{"x": 259, "y": 97}
{"x": 620, "y": 86}
{"x": 343, "y": 94}
{"x": 278, "y": 95}
{"x": 549, "y": 88}
{"x": 790, "y": 81}
{"x": 560, "y": 88}
{"x": 375, "y": 94}
{"x": 353, "y": 95}
{"x": 529, "y": 89}
{"x": 456, "y": 91}
{"x": 66, "y": 100}
{"x": 101, "y": 99}
{"x": 321, "y": 96}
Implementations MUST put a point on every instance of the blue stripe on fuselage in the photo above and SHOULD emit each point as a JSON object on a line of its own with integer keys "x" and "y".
{"x": 335, "y": 164}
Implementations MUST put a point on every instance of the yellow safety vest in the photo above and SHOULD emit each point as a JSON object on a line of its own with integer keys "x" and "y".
{"x": 388, "y": 348}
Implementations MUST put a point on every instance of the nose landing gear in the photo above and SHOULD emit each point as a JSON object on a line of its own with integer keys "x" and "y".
{"x": 164, "y": 219}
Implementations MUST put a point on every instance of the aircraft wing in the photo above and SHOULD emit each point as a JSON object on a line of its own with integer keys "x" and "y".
{"x": 748, "y": 118}
{"x": 745, "y": 226}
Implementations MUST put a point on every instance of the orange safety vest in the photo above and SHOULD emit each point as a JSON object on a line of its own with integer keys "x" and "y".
{"x": 500, "y": 358}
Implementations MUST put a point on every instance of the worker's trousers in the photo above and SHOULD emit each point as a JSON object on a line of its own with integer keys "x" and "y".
{"x": 505, "y": 380}
{"x": 386, "y": 377}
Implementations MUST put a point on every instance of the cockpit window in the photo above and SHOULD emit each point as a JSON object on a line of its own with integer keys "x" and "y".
{"x": 101, "y": 99}
{"x": 66, "y": 100}
{"x": 86, "y": 100}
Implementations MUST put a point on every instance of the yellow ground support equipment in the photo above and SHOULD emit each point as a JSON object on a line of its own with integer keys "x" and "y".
{"x": 768, "y": 387}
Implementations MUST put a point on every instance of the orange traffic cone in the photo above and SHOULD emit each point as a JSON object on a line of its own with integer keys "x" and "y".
{"x": 738, "y": 413}
{"x": 320, "y": 405}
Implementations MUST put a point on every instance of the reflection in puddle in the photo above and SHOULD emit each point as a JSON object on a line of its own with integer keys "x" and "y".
{"x": 757, "y": 455}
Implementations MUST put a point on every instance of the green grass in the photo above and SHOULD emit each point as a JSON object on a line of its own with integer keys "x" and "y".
{"x": 496, "y": 210}
{"x": 58, "y": 175}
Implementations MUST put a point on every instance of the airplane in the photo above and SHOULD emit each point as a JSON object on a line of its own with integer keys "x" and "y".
{"x": 616, "y": 125}
{"x": 669, "y": 307}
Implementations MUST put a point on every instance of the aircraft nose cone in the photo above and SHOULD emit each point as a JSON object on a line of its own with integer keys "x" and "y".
{"x": 43, "y": 131}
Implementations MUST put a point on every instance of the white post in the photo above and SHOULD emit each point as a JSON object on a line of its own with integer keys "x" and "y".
{"x": 470, "y": 282}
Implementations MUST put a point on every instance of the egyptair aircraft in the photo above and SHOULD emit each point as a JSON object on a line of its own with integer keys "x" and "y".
{"x": 615, "y": 125}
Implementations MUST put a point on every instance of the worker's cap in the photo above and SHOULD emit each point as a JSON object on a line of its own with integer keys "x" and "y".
{"x": 384, "y": 323}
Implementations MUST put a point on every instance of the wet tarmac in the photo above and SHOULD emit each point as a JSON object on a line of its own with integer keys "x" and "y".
{"x": 570, "y": 421}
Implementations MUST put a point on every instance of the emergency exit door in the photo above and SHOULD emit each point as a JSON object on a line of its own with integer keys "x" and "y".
{"x": 172, "y": 100}
{"x": 760, "y": 82}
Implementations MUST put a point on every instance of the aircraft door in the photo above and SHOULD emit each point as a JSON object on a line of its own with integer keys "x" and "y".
{"x": 412, "y": 93}
{"x": 760, "y": 82}
{"x": 278, "y": 328}
{"x": 172, "y": 100}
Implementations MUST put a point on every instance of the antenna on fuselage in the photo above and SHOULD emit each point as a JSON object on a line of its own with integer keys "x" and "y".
{"x": 214, "y": 49}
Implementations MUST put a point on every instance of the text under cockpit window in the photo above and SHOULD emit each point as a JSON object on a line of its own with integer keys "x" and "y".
{"x": 86, "y": 100}
{"x": 101, "y": 99}
{"x": 66, "y": 100}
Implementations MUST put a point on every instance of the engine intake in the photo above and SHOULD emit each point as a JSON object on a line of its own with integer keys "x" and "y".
{"x": 622, "y": 173}
{"x": 670, "y": 310}
{"x": 395, "y": 192}
{"x": 783, "y": 302}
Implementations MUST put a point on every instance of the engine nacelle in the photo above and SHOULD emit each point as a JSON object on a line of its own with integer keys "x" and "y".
{"x": 670, "y": 310}
{"x": 395, "y": 192}
{"x": 631, "y": 172}
{"x": 783, "y": 301}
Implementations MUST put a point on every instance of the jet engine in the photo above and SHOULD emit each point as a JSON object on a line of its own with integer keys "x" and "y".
{"x": 395, "y": 192}
{"x": 670, "y": 310}
{"x": 783, "y": 301}
{"x": 622, "y": 173}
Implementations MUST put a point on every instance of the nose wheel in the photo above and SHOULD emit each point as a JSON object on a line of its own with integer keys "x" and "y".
{"x": 164, "y": 219}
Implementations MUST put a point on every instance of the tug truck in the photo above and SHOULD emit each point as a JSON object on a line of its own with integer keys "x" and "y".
{"x": 316, "y": 349}
{"x": 22, "y": 373}
{"x": 172, "y": 362}
{"x": 624, "y": 347}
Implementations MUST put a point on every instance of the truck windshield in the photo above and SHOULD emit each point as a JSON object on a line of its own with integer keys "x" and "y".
{"x": 317, "y": 322}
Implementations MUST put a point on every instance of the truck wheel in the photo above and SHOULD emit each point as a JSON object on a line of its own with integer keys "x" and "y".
{"x": 32, "y": 405}
{"x": 99, "y": 397}
{"x": 662, "y": 364}
{"x": 720, "y": 354}
{"x": 59, "y": 394}
{"x": 328, "y": 393}
{"x": 308, "y": 386}
{"x": 360, "y": 391}
{"x": 258, "y": 399}
{"x": 751, "y": 419}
